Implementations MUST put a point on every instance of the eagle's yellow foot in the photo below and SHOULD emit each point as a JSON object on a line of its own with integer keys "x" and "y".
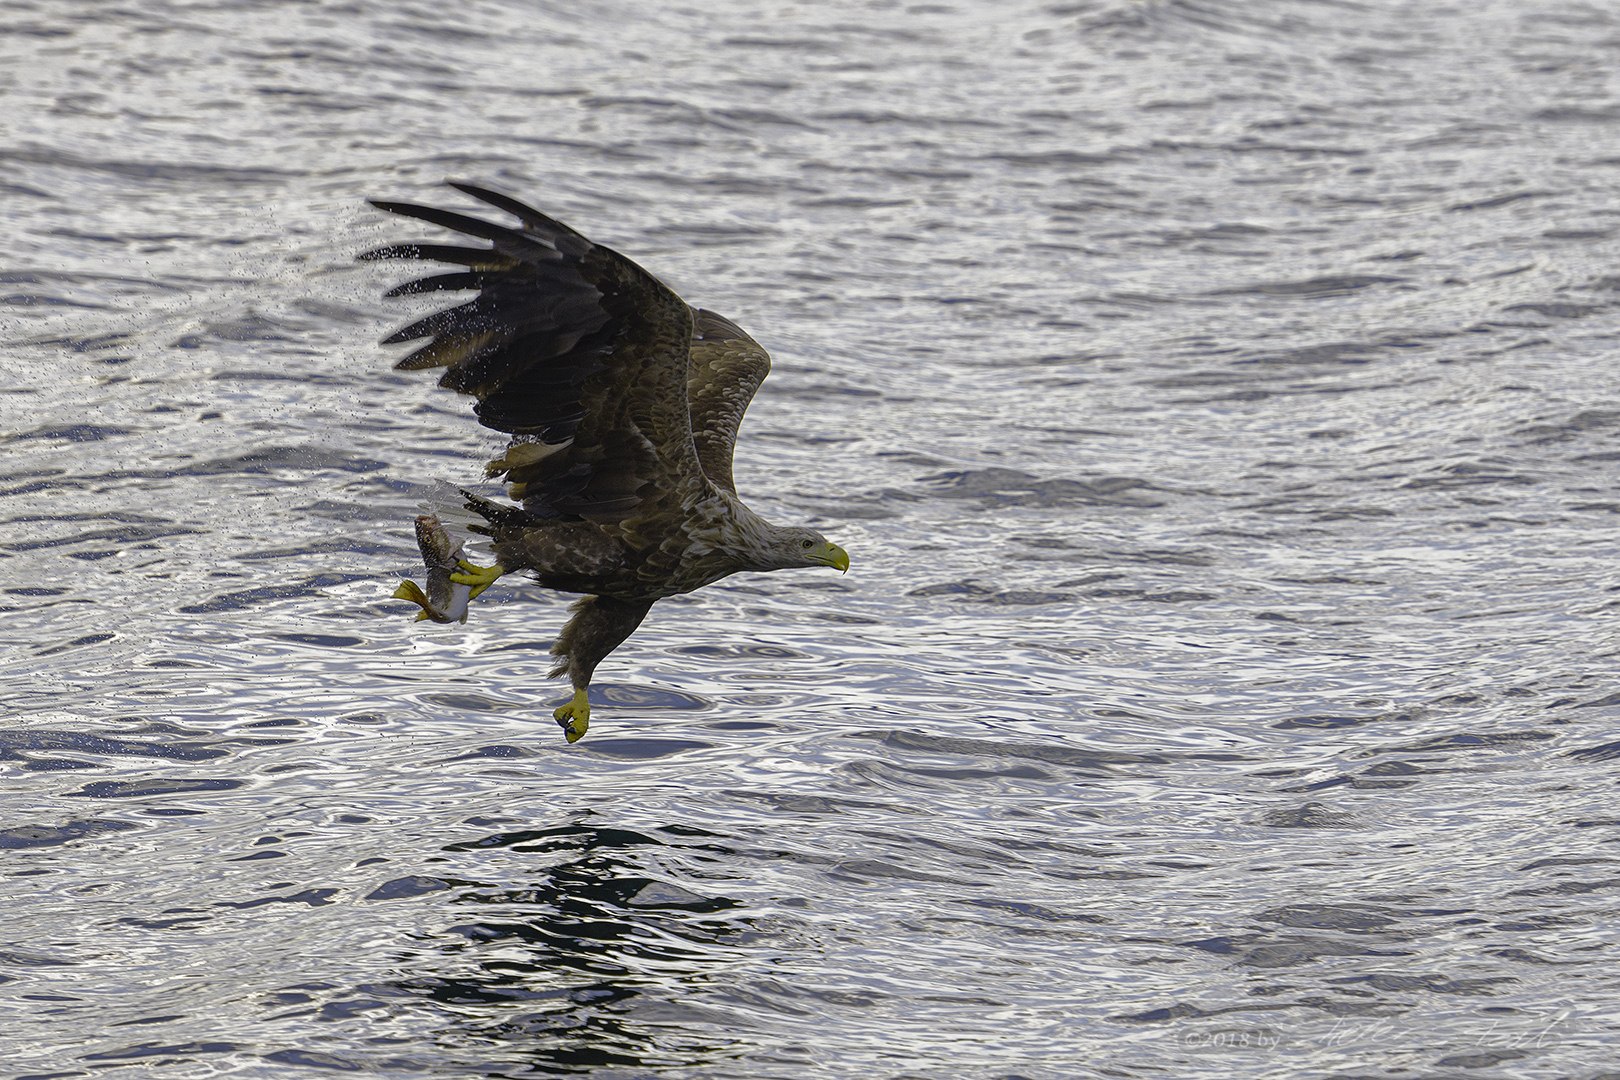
{"x": 479, "y": 577}
{"x": 574, "y": 717}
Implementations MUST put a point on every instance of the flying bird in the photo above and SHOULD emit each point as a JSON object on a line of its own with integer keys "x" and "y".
{"x": 622, "y": 403}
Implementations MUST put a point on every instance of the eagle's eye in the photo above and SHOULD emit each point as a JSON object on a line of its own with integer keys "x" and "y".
{"x": 807, "y": 544}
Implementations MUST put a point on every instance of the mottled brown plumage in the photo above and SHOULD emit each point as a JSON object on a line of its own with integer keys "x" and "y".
{"x": 623, "y": 405}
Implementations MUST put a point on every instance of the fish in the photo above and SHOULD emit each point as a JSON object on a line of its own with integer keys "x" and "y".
{"x": 446, "y": 600}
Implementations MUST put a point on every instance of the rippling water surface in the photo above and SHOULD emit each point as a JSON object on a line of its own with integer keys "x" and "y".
{"x": 1218, "y": 401}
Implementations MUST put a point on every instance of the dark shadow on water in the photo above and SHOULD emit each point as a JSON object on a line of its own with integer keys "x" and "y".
{"x": 556, "y": 968}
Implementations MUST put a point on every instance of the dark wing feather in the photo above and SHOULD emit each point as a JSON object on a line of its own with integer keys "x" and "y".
{"x": 481, "y": 258}
{"x": 578, "y": 353}
{"x": 726, "y": 369}
{"x": 438, "y": 283}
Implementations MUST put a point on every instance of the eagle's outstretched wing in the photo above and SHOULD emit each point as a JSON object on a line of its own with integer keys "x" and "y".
{"x": 727, "y": 368}
{"x": 577, "y": 352}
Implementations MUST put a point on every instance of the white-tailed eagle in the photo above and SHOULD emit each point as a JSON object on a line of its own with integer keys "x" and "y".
{"x": 622, "y": 403}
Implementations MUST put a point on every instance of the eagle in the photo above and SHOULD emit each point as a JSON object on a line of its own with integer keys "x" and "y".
{"x": 622, "y": 404}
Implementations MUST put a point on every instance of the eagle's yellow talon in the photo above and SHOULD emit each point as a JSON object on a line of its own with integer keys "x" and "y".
{"x": 479, "y": 577}
{"x": 575, "y": 717}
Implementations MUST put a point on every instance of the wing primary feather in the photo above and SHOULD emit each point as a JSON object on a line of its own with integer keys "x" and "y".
{"x": 477, "y": 258}
{"x": 505, "y": 240}
{"x": 439, "y": 283}
{"x": 448, "y": 349}
{"x": 530, "y": 217}
{"x": 472, "y": 317}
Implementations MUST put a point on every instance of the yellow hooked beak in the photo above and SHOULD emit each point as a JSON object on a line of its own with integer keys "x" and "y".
{"x": 833, "y": 555}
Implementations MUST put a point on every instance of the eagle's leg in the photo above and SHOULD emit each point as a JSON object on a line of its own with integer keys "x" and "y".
{"x": 600, "y": 624}
{"x": 479, "y": 577}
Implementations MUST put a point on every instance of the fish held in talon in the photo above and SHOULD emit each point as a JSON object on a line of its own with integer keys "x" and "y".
{"x": 621, "y": 403}
{"x": 446, "y": 598}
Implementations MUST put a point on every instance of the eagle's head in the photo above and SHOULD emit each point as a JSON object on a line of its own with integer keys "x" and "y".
{"x": 794, "y": 546}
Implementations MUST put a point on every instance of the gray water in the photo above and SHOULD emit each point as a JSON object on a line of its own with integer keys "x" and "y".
{"x": 1217, "y": 400}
